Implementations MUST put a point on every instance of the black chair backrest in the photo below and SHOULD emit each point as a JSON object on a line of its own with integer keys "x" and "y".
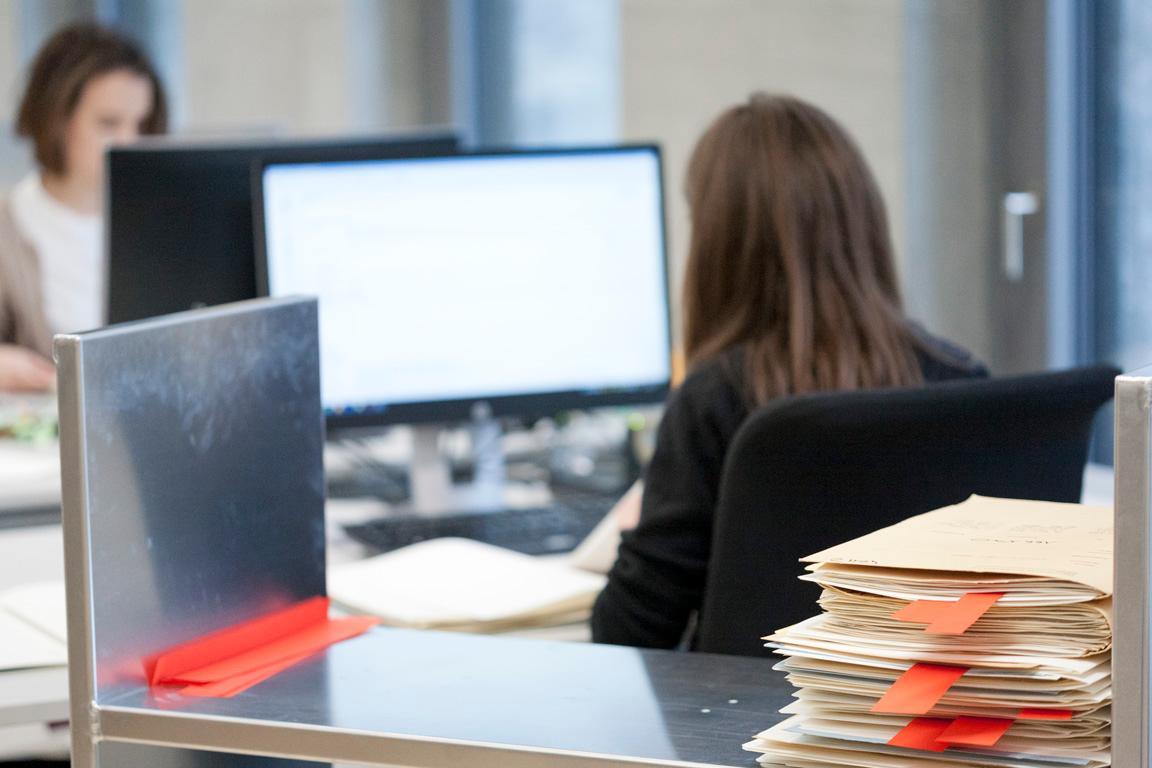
{"x": 808, "y": 472}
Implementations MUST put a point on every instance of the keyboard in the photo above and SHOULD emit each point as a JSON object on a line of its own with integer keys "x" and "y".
{"x": 533, "y": 530}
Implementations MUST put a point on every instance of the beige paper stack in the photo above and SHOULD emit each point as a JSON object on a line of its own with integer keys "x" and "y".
{"x": 464, "y": 586}
{"x": 978, "y": 634}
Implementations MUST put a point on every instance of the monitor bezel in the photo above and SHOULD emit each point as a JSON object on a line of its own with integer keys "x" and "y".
{"x": 524, "y": 405}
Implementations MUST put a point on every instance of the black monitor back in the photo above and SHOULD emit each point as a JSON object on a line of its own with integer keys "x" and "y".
{"x": 180, "y": 217}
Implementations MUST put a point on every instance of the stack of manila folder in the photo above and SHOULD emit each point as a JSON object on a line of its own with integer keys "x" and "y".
{"x": 976, "y": 635}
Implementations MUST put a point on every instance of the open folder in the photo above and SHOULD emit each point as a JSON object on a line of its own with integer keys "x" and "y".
{"x": 32, "y": 626}
{"x": 463, "y": 585}
{"x": 977, "y": 634}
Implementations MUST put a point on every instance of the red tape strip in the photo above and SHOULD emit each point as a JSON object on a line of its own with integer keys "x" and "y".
{"x": 948, "y": 617}
{"x": 975, "y": 731}
{"x": 1045, "y": 714}
{"x": 921, "y": 733}
{"x": 916, "y": 691}
{"x": 935, "y": 734}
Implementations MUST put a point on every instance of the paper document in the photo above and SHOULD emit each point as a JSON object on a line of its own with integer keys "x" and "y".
{"x": 23, "y": 646}
{"x": 29, "y": 474}
{"x": 1068, "y": 542}
{"x": 461, "y": 584}
{"x": 41, "y": 604}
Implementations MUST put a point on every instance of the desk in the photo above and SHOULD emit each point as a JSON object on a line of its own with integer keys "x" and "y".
{"x": 32, "y": 701}
{"x": 29, "y": 484}
{"x": 30, "y": 698}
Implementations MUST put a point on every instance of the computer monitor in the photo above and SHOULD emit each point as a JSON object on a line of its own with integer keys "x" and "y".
{"x": 179, "y": 216}
{"x": 519, "y": 283}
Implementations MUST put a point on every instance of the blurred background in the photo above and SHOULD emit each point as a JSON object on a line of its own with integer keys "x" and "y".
{"x": 1011, "y": 139}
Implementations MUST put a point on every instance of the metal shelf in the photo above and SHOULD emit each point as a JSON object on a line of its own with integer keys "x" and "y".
{"x": 402, "y": 697}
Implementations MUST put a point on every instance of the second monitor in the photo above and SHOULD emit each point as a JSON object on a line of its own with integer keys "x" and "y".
{"x": 528, "y": 282}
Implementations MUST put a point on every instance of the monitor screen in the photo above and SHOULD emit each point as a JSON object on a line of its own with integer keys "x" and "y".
{"x": 180, "y": 216}
{"x": 532, "y": 281}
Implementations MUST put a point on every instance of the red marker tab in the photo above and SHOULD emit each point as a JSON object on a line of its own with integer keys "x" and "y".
{"x": 975, "y": 731}
{"x": 948, "y": 617}
{"x": 963, "y": 613}
{"x": 1045, "y": 714}
{"x": 922, "y": 733}
{"x": 921, "y": 611}
{"x": 916, "y": 691}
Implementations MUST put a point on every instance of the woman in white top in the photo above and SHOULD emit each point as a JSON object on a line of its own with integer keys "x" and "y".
{"x": 88, "y": 87}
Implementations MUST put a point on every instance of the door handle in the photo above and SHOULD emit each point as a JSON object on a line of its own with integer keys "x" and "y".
{"x": 1016, "y": 205}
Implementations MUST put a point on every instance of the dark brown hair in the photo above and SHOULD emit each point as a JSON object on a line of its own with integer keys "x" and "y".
{"x": 64, "y": 66}
{"x": 790, "y": 256}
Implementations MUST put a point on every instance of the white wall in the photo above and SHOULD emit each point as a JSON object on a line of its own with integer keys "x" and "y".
{"x": 415, "y": 89}
{"x": 266, "y": 64}
{"x": 683, "y": 61}
{"x": 313, "y": 66}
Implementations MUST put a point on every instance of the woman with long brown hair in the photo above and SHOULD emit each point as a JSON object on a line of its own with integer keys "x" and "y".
{"x": 790, "y": 287}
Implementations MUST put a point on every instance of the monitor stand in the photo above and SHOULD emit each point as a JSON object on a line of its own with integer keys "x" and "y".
{"x": 430, "y": 479}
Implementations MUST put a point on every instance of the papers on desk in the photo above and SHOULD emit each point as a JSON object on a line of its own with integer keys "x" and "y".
{"x": 464, "y": 585}
{"x": 33, "y": 627}
{"x": 978, "y": 634}
{"x": 29, "y": 474}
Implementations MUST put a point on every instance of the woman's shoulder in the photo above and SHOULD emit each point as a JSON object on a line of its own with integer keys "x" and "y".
{"x": 719, "y": 375}
{"x": 13, "y": 243}
{"x": 10, "y": 234}
{"x": 941, "y": 359}
{"x": 6, "y": 216}
{"x": 713, "y": 391}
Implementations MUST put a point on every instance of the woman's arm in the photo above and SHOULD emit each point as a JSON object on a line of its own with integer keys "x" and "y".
{"x": 658, "y": 579}
{"x": 22, "y": 370}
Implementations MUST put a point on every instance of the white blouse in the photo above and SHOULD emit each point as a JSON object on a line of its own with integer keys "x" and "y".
{"x": 69, "y": 246}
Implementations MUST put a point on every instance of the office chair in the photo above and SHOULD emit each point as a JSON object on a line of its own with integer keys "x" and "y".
{"x": 811, "y": 471}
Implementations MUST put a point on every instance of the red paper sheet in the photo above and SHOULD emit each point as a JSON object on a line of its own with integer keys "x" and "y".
{"x": 228, "y": 662}
{"x": 229, "y": 687}
{"x": 304, "y": 642}
{"x": 921, "y": 733}
{"x": 235, "y": 640}
{"x": 948, "y": 617}
{"x": 975, "y": 731}
{"x": 916, "y": 691}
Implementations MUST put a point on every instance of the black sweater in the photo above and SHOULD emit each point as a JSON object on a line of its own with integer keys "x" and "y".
{"x": 658, "y": 579}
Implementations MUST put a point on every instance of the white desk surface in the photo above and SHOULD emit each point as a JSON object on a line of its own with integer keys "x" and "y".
{"x": 29, "y": 475}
